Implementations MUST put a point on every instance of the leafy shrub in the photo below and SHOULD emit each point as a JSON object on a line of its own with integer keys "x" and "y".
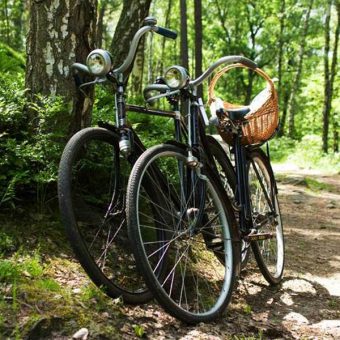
{"x": 305, "y": 153}
{"x": 281, "y": 148}
{"x": 31, "y": 141}
{"x": 10, "y": 60}
{"x": 308, "y": 154}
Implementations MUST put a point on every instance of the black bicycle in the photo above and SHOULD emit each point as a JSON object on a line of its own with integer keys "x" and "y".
{"x": 93, "y": 175}
{"x": 191, "y": 259}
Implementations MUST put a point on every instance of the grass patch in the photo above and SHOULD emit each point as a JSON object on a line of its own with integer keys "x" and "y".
{"x": 37, "y": 276}
{"x": 305, "y": 153}
{"x": 316, "y": 185}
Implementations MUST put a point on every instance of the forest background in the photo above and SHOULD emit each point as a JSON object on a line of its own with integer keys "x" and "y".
{"x": 294, "y": 41}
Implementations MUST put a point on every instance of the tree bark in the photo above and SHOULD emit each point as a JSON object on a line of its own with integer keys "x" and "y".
{"x": 138, "y": 70}
{"x": 67, "y": 36}
{"x": 130, "y": 20}
{"x": 335, "y": 133}
{"x": 329, "y": 73}
{"x": 184, "y": 35}
{"x": 100, "y": 24}
{"x": 198, "y": 44}
{"x": 297, "y": 79}
{"x": 281, "y": 43}
{"x": 167, "y": 25}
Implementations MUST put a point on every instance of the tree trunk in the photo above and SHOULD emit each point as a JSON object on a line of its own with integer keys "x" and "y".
{"x": 280, "y": 65}
{"x": 327, "y": 88}
{"x": 130, "y": 20}
{"x": 167, "y": 25}
{"x": 100, "y": 25}
{"x": 184, "y": 35}
{"x": 17, "y": 22}
{"x": 284, "y": 113}
{"x": 297, "y": 79}
{"x": 137, "y": 71}
{"x": 198, "y": 44}
{"x": 329, "y": 73}
{"x": 7, "y": 23}
{"x": 335, "y": 133}
{"x": 67, "y": 37}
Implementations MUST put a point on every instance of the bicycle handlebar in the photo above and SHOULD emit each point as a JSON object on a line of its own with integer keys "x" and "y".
{"x": 165, "y": 32}
{"x": 224, "y": 60}
{"x": 80, "y": 67}
{"x": 150, "y": 25}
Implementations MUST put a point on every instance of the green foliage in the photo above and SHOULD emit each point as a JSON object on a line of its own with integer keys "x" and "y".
{"x": 10, "y": 60}
{"x": 32, "y": 137}
{"x": 307, "y": 154}
{"x": 281, "y": 148}
{"x": 139, "y": 331}
{"x": 6, "y": 243}
{"x": 18, "y": 267}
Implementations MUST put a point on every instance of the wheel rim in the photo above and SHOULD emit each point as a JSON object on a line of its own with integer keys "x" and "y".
{"x": 266, "y": 217}
{"x": 98, "y": 205}
{"x": 183, "y": 265}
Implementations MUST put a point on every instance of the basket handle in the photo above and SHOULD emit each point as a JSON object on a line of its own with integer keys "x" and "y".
{"x": 217, "y": 76}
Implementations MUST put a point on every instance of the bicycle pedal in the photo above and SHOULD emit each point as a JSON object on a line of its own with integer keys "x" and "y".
{"x": 258, "y": 237}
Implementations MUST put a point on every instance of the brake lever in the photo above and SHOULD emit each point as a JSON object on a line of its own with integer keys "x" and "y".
{"x": 167, "y": 94}
{"x": 98, "y": 80}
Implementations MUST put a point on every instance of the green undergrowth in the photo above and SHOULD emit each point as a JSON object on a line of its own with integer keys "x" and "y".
{"x": 305, "y": 153}
{"x": 310, "y": 183}
{"x": 43, "y": 291}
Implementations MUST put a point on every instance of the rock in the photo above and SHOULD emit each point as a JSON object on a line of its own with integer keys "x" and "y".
{"x": 296, "y": 317}
{"x": 82, "y": 334}
{"x": 330, "y": 205}
{"x": 76, "y": 290}
{"x": 297, "y": 201}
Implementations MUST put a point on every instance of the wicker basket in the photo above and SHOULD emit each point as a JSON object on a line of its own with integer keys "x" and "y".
{"x": 263, "y": 118}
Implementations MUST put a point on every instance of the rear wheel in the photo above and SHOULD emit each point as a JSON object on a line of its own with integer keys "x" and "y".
{"x": 91, "y": 187}
{"x": 269, "y": 252}
{"x": 178, "y": 264}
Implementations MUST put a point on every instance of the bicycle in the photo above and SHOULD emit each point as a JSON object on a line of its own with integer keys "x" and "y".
{"x": 192, "y": 259}
{"x": 93, "y": 173}
{"x": 91, "y": 181}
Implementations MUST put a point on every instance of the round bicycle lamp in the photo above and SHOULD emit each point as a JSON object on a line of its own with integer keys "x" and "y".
{"x": 176, "y": 77}
{"x": 99, "y": 62}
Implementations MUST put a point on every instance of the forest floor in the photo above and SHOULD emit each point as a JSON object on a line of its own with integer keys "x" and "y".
{"x": 44, "y": 294}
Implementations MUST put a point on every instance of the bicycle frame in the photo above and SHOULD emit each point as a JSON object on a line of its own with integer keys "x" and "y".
{"x": 242, "y": 197}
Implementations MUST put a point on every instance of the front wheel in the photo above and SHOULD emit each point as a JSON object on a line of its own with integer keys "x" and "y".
{"x": 179, "y": 266}
{"x": 91, "y": 188}
{"x": 269, "y": 252}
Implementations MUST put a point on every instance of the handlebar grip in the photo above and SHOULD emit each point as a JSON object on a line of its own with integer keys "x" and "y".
{"x": 165, "y": 32}
{"x": 245, "y": 61}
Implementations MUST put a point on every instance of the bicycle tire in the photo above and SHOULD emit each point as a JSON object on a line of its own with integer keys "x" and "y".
{"x": 228, "y": 179}
{"x": 161, "y": 268}
{"x": 94, "y": 218}
{"x": 269, "y": 253}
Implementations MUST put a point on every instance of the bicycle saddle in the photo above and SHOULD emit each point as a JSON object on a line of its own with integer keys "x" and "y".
{"x": 238, "y": 113}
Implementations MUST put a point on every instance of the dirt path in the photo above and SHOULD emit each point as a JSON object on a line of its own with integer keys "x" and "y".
{"x": 53, "y": 297}
{"x": 307, "y": 304}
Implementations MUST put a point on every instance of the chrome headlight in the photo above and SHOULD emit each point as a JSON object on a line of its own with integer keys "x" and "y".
{"x": 176, "y": 77}
{"x": 99, "y": 62}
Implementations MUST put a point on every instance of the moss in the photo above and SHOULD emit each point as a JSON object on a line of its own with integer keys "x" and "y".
{"x": 316, "y": 185}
